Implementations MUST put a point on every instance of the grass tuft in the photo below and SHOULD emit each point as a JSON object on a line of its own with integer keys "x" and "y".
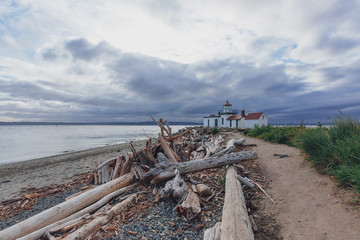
{"x": 334, "y": 150}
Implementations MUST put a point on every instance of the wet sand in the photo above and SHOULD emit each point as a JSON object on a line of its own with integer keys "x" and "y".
{"x": 16, "y": 178}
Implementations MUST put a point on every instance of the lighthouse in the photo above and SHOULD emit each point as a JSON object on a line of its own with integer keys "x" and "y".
{"x": 227, "y": 117}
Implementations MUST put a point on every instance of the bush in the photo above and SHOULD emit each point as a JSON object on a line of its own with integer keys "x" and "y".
{"x": 214, "y": 130}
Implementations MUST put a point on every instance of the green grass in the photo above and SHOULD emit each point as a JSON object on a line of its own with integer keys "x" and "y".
{"x": 285, "y": 135}
{"x": 334, "y": 150}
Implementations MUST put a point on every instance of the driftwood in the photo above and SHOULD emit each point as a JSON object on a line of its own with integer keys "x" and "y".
{"x": 161, "y": 126}
{"x": 235, "y": 222}
{"x": 177, "y": 136}
{"x": 165, "y": 170}
{"x": 175, "y": 187}
{"x": 231, "y": 144}
{"x": 167, "y": 150}
{"x": 105, "y": 163}
{"x": 245, "y": 181}
{"x": 95, "y": 224}
{"x": 37, "y": 234}
{"x": 118, "y": 164}
{"x": 190, "y": 207}
{"x": 64, "y": 209}
{"x": 148, "y": 152}
{"x": 203, "y": 190}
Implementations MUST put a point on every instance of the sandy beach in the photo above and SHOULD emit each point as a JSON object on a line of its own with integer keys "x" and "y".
{"x": 16, "y": 178}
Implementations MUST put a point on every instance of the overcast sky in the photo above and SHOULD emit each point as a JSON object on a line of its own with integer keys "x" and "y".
{"x": 180, "y": 60}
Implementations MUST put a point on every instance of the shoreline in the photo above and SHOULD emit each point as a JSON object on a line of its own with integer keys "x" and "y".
{"x": 17, "y": 177}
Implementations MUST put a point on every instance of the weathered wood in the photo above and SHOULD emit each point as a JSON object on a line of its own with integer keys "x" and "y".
{"x": 165, "y": 170}
{"x": 161, "y": 126}
{"x": 175, "y": 187}
{"x": 64, "y": 209}
{"x": 105, "y": 163}
{"x": 177, "y": 136}
{"x": 235, "y": 222}
{"x": 245, "y": 181}
{"x": 190, "y": 207}
{"x": 118, "y": 164}
{"x": 105, "y": 174}
{"x": 95, "y": 224}
{"x": 126, "y": 166}
{"x": 70, "y": 219}
{"x": 203, "y": 190}
{"x": 230, "y": 146}
{"x": 69, "y": 225}
{"x": 166, "y": 148}
{"x": 148, "y": 152}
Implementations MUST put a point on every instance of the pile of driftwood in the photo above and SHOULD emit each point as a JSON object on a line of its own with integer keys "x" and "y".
{"x": 167, "y": 159}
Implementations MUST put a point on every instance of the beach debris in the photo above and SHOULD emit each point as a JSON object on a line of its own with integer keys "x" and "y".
{"x": 235, "y": 222}
{"x": 185, "y": 160}
{"x": 190, "y": 208}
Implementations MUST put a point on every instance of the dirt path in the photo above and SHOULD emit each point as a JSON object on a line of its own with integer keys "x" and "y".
{"x": 308, "y": 205}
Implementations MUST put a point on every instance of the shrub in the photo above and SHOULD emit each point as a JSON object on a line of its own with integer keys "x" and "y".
{"x": 214, "y": 130}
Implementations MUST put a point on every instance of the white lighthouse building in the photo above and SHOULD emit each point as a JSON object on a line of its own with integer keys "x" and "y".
{"x": 227, "y": 117}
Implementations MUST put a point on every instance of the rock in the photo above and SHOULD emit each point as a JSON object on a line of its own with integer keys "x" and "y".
{"x": 203, "y": 190}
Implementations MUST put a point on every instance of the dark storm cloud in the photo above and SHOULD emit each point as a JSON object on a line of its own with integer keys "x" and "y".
{"x": 33, "y": 91}
{"x": 136, "y": 86}
{"x": 84, "y": 50}
{"x": 154, "y": 78}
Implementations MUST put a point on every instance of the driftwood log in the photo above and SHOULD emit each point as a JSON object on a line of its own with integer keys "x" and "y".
{"x": 230, "y": 146}
{"x": 64, "y": 209}
{"x": 235, "y": 224}
{"x": 37, "y": 234}
{"x": 95, "y": 224}
{"x": 165, "y": 170}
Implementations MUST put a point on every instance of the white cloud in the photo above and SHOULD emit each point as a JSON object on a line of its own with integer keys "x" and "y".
{"x": 218, "y": 48}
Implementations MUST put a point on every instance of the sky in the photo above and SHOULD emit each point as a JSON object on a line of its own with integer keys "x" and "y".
{"x": 180, "y": 60}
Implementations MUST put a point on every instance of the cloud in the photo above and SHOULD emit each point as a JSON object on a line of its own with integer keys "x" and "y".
{"x": 124, "y": 60}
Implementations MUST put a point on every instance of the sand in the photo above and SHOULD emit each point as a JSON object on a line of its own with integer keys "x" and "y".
{"x": 16, "y": 178}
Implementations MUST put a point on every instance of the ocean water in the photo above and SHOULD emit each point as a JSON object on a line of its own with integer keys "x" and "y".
{"x": 25, "y": 142}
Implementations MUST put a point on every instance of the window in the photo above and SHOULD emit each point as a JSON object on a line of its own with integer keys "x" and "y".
{"x": 222, "y": 121}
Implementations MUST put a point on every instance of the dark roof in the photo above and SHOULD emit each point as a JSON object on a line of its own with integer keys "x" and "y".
{"x": 235, "y": 117}
{"x": 254, "y": 116}
{"x": 227, "y": 104}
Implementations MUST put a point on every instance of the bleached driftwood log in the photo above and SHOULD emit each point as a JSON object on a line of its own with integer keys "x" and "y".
{"x": 37, "y": 234}
{"x": 213, "y": 146}
{"x": 165, "y": 170}
{"x": 231, "y": 144}
{"x": 95, "y": 224}
{"x": 167, "y": 149}
{"x": 64, "y": 209}
{"x": 235, "y": 222}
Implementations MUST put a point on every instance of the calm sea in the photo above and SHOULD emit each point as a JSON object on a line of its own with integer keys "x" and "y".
{"x": 25, "y": 142}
